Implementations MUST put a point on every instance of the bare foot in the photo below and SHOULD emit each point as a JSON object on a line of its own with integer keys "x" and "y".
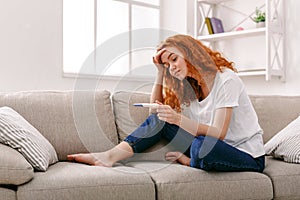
{"x": 120, "y": 152}
{"x": 179, "y": 157}
{"x": 96, "y": 159}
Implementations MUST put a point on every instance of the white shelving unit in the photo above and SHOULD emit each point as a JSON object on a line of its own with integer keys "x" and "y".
{"x": 273, "y": 33}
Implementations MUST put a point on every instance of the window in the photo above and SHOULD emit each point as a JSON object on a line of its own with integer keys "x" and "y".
{"x": 110, "y": 37}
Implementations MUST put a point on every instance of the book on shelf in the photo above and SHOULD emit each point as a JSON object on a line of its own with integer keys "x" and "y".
{"x": 217, "y": 25}
{"x": 208, "y": 24}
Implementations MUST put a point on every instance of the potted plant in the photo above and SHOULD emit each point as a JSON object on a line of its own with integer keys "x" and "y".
{"x": 260, "y": 18}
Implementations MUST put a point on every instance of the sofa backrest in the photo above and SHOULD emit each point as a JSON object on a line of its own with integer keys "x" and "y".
{"x": 73, "y": 122}
{"x": 275, "y": 112}
{"x": 129, "y": 117}
{"x": 86, "y": 121}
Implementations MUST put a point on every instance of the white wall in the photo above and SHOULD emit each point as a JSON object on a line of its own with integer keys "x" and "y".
{"x": 31, "y": 48}
{"x": 176, "y": 14}
{"x": 31, "y": 45}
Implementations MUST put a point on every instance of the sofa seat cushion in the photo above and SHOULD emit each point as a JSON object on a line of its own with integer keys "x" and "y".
{"x": 14, "y": 169}
{"x": 71, "y": 181}
{"x": 285, "y": 177}
{"x": 174, "y": 181}
{"x": 7, "y": 194}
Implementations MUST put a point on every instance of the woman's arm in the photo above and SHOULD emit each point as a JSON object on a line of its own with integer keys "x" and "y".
{"x": 218, "y": 129}
{"x": 157, "y": 90}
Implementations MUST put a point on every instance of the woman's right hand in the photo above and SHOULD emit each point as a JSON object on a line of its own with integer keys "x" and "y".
{"x": 157, "y": 60}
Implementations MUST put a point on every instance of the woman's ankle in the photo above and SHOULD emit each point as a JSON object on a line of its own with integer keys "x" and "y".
{"x": 120, "y": 152}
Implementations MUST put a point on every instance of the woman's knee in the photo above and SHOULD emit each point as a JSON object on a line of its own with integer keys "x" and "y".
{"x": 202, "y": 146}
{"x": 202, "y": 151}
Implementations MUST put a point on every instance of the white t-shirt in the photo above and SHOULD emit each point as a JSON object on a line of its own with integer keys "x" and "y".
{"x": 228, "y": 90}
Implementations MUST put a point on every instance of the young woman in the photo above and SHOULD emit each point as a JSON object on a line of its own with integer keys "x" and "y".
{"x": 203, "y": 110}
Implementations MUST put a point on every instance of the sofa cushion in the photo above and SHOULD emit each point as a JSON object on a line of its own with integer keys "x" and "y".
{"x": 286, "y": 144}
{"x": 174, "y": 181}
{"x": 72, "y": 121}
{"x": 17, "y": 133}
{"x": 7, "y": 194}
{"x": 14, "y": 169}
{"x": 127, "y": 116}
{"x": 285, "y": 177}
{"x": 69, "y": 181}
{"x": 275, "y": 112}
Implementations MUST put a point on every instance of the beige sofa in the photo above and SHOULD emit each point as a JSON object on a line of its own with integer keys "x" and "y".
{"x": 85, "y": 121}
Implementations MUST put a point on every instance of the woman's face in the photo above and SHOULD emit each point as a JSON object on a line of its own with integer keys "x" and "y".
{"x": 173, "y": 59}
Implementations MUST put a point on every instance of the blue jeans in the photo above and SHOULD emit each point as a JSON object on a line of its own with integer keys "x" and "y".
{"x": 207, "y": 153}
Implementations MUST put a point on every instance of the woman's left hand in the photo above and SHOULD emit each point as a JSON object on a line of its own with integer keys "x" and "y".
{"x": 167, "y": 114}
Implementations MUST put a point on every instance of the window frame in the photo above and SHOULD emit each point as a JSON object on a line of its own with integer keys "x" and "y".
{"x": 130, "y": 3}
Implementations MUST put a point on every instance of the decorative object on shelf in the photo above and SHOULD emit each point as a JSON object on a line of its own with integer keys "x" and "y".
{"x": 217, "y": 25}
{"x": 260, "y": 18}
{"x": 239, "y": 20}
{"x": 208, "y": 24}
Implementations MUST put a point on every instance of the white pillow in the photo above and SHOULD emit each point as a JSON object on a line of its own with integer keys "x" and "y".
{"x": 17, "y": 133}
{"x": 286, "y": 143}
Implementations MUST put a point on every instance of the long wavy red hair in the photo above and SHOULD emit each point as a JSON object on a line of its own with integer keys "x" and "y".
{"x": 200, "y": 60}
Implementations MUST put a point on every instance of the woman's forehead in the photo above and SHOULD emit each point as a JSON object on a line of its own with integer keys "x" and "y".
{"x": 169, "y": 51}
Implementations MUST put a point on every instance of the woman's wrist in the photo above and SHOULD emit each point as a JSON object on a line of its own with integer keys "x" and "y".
{"x": 159, "y": 75}
{"x": 189, "y": 125}
{"x": 179, "y": 119}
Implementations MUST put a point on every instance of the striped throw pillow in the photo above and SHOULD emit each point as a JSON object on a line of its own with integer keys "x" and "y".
{"x": 17, "y": 133}
{"x": 285, "y": 144}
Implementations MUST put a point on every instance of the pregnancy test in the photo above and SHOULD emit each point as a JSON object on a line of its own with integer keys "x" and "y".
{"x": 148, "y": 105}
